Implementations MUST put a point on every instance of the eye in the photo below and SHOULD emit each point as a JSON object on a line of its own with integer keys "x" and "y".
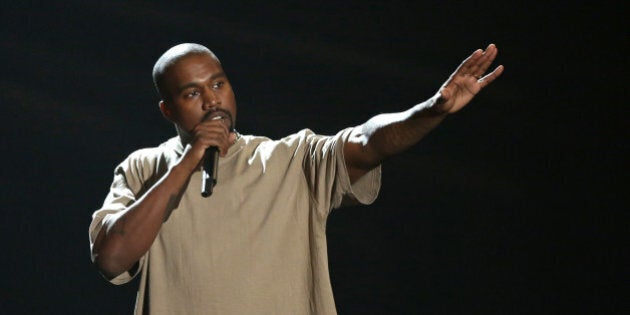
{"x": 192, "y": 94}
{"x": 218, "y": 85}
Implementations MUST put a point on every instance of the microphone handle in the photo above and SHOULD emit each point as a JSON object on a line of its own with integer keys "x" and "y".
{"x": 210, "y": 171}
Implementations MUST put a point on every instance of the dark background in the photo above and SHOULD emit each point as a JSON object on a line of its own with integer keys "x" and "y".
{"x": 516, "y": 205}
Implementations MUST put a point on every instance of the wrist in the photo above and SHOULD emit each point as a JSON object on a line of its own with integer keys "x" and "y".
{"x": 189, "y": 161}
{"x": 433, "y": 107}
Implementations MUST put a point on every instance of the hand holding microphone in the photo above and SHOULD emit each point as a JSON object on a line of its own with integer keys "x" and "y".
{"x": 210, "y": 163}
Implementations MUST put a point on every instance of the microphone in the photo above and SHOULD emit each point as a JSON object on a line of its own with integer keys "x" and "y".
{"x": 210, "y": 171}
{"x": 211, "y": 156}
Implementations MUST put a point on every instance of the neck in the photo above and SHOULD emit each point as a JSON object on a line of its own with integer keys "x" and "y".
{"x": 184, "y": 136}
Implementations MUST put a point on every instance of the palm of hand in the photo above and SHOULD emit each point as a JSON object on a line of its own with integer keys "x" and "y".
{"x": 467, "y": 80}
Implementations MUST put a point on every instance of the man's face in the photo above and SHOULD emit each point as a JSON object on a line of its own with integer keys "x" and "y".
{"x": 197, "y": 88}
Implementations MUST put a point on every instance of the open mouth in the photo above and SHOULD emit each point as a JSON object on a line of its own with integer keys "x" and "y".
{"x": 219, "y": 114}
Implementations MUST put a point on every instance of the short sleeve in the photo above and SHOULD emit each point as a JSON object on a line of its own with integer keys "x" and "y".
{"x": 132, "y": 178}
{"x": 363, "y": 191}
{"x": 327, "y": 175}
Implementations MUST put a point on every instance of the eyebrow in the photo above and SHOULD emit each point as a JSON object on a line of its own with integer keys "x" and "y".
{"x": 196, "y": 84}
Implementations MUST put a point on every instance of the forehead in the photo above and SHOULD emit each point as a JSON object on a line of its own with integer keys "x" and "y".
{"x": 194, "y": 68}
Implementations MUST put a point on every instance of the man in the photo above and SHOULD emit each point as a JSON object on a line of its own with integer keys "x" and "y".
{"x": 257, "y": 245}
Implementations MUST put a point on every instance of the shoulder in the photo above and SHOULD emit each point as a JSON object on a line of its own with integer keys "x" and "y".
{"x": 167, "y": 152}
{"x": 255, "y": 140}
{"x": 302, "y": 140}
{"x": 293, "y": 141}
{"x": 303, "y": 136}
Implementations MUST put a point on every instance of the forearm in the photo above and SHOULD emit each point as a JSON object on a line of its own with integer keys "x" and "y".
{"x": 390, "y": 134}
{"x": 128, "y": 235}
{"x": 386, "y": 135}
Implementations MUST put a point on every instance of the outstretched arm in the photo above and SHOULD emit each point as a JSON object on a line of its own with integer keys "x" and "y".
{"x": 388, "y": 134}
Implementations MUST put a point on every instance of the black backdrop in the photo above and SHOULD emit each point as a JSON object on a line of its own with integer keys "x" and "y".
{"x": 514, "y": 205}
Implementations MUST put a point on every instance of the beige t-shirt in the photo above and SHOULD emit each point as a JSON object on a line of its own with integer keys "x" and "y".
{"x": 258, "y": 244}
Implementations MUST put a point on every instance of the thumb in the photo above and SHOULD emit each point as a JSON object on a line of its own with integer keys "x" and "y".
{"x": 231, "y": 140}
{"x": 233, "y": 137}
{"x": 444, "y": 95}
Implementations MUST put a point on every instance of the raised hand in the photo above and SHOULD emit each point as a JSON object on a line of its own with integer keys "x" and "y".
{"x": 467, "y": 80}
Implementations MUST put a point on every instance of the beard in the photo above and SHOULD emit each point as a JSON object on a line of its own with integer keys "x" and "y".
{"x": 223, "y": 113}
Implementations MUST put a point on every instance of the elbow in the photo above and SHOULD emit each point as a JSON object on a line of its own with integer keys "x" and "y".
{"x": 107, "y": 266}
{"x": 107, "y": 256}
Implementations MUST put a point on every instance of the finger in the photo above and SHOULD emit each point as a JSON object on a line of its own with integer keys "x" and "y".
{"x": 212, "y": 129}
{"x": 231, "y": 139}
{"x": 211, "y": 133}
{"x": 484, "y": 61}
{"x": 224, "y": 140}
{"x": 487, "y": 59}
{"x": 469, "y": 63}
{"x": 491, "y": 76}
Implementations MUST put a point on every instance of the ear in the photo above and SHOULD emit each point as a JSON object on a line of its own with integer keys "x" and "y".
{"x": 166, "y": 110}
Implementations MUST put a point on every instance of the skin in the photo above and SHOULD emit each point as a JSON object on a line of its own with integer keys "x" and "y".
{"x": 197, "y": 90}
{"x": 386, "y": 135}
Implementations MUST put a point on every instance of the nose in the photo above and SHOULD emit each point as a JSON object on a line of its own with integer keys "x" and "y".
{"x": 211, "y": 99}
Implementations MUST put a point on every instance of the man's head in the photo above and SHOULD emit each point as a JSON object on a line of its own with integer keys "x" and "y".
{"x": 192, "y": 84}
